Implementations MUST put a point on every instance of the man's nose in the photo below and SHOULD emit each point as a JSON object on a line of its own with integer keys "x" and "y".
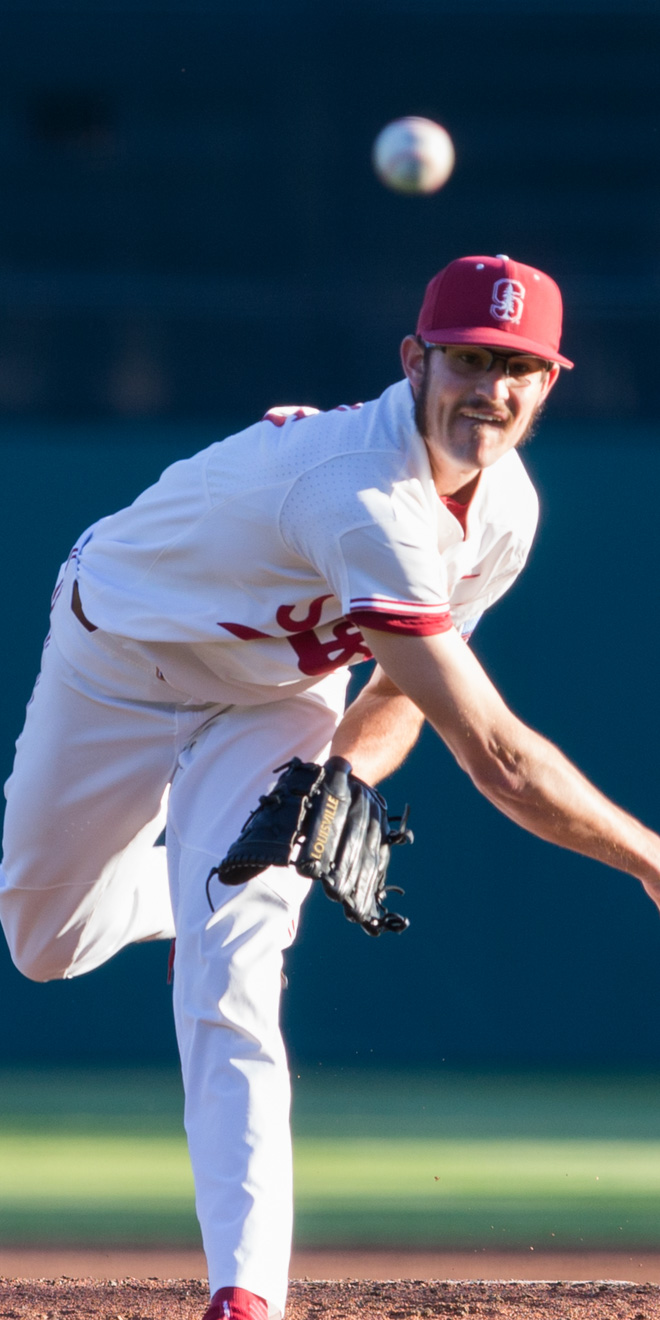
{"x": 494, "y": 384}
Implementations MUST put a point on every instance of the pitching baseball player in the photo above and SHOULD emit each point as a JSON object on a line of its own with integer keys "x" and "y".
{"x": 202, "y": 637}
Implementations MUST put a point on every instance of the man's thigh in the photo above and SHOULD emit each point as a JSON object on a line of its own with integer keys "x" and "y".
{"x": 83, "y": 811}
{"x": 89, "y": 773}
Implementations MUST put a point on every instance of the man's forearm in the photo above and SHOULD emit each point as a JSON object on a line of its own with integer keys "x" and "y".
{"x": 554, "y": 800}
{"x": 378, "y": 730}
{"x": 518, "y": 770}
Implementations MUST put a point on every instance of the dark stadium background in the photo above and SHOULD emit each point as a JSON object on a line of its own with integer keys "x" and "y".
{"x": 190, "y": 232}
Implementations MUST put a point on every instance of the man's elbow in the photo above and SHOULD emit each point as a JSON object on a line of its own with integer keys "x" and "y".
{"x": 499, "y": 772}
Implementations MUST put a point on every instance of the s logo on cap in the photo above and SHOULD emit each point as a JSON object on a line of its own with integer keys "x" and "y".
{"x": 508, "y": 298}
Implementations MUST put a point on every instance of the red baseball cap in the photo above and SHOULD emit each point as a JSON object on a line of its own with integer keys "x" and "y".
{"x": 496, "y": 302}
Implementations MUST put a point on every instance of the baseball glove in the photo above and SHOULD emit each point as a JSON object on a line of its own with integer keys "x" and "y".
{"x": 332, "y": 827}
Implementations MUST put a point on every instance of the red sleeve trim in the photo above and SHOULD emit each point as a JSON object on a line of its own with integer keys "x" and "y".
{"x": 418, "y": 625}
{"x": 398, "y": 607}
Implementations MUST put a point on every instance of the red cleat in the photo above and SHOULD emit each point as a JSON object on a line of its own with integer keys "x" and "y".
{"x": 236, "y": 1304}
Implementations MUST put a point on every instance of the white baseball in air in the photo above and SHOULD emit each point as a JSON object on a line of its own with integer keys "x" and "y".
{"x": 413, "y": 155}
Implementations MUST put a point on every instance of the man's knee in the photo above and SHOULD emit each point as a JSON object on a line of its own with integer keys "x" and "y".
{"x": 38, "y": 961}
{"x": 36, "y": 944}
{"x": 36, "y": 965}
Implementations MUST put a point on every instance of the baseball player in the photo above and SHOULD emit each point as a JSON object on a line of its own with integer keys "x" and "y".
{"x": 202, "y": 637}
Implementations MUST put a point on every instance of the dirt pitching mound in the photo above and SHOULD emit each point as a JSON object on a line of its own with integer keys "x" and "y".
{"x": 352, "y": 1299}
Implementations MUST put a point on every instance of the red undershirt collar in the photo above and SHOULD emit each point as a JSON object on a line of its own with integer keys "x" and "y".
{"x": 459, "y": 508}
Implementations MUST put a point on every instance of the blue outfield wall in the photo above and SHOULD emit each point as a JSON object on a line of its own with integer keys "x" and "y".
{"x": 518, "y": 954}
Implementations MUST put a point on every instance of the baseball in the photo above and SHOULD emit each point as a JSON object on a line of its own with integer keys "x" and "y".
{"x": 413, "y": 155}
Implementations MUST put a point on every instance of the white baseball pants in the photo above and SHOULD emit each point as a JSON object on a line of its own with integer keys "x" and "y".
{"x": 81, "y": 878}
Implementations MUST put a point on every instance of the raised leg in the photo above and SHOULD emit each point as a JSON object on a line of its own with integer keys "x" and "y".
{"x": 85, "y": 804}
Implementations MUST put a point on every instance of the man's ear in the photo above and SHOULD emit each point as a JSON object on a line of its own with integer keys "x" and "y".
{"x": 551, "y": 379}
{"x": 412, "y": 360}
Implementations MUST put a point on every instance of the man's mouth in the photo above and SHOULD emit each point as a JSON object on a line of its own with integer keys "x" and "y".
{"x": 478, "y": 415}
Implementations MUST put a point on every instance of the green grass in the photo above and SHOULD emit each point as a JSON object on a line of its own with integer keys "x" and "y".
{"x": 425, "y": 1159}
{"x": 504, "y": 1193}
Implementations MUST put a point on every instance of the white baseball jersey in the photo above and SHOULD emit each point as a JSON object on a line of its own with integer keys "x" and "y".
{"x": 245, "y": 573}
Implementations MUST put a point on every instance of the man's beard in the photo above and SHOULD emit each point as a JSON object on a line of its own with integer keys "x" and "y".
{"x": 420, "y": 400}
{"x": 533, "y": 425}
{"x": 421, "y": 409}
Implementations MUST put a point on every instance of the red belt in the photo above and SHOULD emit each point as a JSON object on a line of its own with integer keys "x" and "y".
{"x": 76, "y": 606}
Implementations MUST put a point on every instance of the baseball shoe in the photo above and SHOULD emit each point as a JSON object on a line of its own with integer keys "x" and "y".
{"x": 236, "y": 1304}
